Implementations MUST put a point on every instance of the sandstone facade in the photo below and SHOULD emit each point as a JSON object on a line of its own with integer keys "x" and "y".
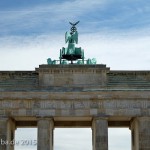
{"x": 79, "y": 96}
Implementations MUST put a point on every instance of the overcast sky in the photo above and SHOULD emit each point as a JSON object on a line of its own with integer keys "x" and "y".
{"x": 74, "y": 139}
{"x": 115, "y": 32}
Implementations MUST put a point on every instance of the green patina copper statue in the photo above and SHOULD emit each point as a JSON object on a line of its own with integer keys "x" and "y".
{"x": 72, "y": 53}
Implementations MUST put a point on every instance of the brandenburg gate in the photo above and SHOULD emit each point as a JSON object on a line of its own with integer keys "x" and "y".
{"x": 77, "y": 94}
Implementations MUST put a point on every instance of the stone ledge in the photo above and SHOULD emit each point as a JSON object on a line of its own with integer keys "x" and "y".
{"x": 73, "y": 66}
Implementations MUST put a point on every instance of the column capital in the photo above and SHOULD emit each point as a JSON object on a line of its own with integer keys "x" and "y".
{"x": 45, "y": 118}
{"x": 99, "y": 118}
{"x": 143, "y": 118}
{"x": 140, "y": 119}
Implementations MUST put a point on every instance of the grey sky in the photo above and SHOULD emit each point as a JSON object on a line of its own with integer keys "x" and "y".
{"x": 75, "y": 139}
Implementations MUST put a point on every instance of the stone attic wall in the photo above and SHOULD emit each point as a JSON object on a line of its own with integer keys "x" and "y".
{"x": 18, "y": 80}
{"x": 29, "y": 80}
{"x": 128, "y": 79}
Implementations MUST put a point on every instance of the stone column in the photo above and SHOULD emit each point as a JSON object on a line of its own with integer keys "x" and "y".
{"x": 100, "y": 133}
{"x": 11, "y": 127}
{"x": 140, "y": 133}
{"x": 3, "y": 133}
{"x": 7, "y": 132}
{"x": 45, "y": 134}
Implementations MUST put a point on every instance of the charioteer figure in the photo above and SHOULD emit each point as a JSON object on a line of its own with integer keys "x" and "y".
{"x": 72, "y": 53}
